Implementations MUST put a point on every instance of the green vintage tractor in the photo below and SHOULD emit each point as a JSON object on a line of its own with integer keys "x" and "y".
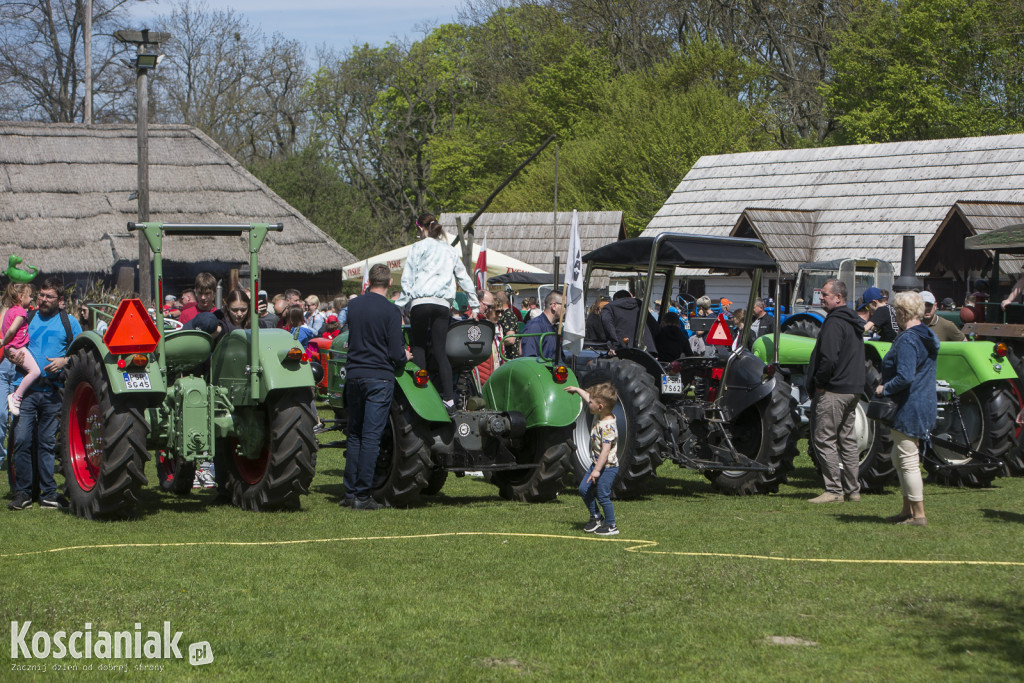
{"x": 978, "y": 398}
{"x": 244, "y": 400}
{"x": 517, "y": 430}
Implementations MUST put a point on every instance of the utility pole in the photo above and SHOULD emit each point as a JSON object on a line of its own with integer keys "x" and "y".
{"x": 147, "y": 44}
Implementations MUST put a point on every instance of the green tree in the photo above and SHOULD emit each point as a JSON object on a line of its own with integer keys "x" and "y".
{"x": 925, "y": 69}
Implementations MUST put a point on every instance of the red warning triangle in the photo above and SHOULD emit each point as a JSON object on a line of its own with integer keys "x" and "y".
{"x": 719, "y": 334}
{"x": 131, "y": 330}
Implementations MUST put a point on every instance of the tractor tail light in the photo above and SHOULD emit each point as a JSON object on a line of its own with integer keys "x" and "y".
{"x": 1000, "y": 350}
{"x": 561, "y": 374}
{"x": 675, "y": 367}
{"x": 121, "y": 363}
{"x": 305, "y": 357}
{"x": 294, "y": 354}
{"x": 140, "y": 360}
{"x": 421, "y": 378}
{"x": 768, "y": 373}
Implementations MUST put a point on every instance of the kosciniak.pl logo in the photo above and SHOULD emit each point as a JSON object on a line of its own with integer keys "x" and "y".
{"x": 88, "y": 644}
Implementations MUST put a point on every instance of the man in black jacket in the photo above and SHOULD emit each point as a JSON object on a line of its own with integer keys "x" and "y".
{"x": 620, "y": 318}
{"x": 376, "y": 351}
{"x": 835, "y": 381}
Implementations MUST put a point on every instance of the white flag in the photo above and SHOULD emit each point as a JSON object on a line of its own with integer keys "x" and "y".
{"x": 366, "y": 277}
{"x": 575, "y": 304}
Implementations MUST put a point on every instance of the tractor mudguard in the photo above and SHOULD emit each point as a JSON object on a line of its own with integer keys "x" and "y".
{"x": 425, "y": 401}
{"x": 793, "y": 349}
{"x": 147, "y": 397}
{"x": 230, "y": 364}
{"x": 743, "y": 384}
{"x": 645, "y": 360}
{"x": 527, "y": 386}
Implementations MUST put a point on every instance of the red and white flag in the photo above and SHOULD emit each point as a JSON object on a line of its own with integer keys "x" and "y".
{"x": 366, "y": 277}
{"x": 480, "y": 271}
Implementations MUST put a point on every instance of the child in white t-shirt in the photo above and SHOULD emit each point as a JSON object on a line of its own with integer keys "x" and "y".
{"x": 596, "y": 486}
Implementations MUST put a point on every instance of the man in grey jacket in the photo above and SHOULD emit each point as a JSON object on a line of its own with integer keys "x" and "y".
{"x": 835, "y": 381}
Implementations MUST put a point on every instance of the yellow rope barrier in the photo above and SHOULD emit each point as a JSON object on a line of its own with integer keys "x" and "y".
{"x": 637, "y": 546}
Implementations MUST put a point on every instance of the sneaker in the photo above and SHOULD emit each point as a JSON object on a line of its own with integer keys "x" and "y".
{"x": 22, "y": 501}
{"x": 58, "y": 502}
{"x": 607, "y": 530}
{"x": 915, "y": 521}
{"x": 366, "y": 504}
{"x": 205, "y": 477}
{"x": 346, "y": 502}
{"x": 593, "y": 525}
{"x": 896, "y": 519}
{"x": 320, "y": 428}
{"x": 197, "y": 482}
{"x": 827, "y": 498}
{"x": 13, "y": 405}
{"x": 853, "y": 497}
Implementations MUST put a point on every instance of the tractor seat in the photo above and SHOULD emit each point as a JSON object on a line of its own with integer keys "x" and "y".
{"x": 469, "y": 343}
{"x": 185, "y": 349}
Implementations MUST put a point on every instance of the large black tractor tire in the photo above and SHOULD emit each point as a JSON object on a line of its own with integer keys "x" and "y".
{"x": 989, "y": 414}
{"x": 403, "y": 467}
{"x": 640, "y": 415}
{"x": 105, "y": 449}
{"x": 763, "y": 432}
{"x": 175, "y": 476}
{"x": 804, "y": 327}
{"x": 548, "y": 446}
{"x": 436, "y": 479}
{"x": 285, "y": 468}
{"x": 1014, "y": 459}
{"x": 874, "y": 442}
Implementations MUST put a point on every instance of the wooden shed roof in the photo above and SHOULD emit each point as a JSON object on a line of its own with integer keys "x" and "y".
{"x": 65, "y": 200}
{"x": 528, "y": 236}
{"x": 865, "y": 197}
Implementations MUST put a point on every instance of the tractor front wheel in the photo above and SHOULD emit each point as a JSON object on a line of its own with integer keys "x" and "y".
{"x": 548, "y": 447}
{"x": 285, "y": 466}
{"x": 105, "y": 448}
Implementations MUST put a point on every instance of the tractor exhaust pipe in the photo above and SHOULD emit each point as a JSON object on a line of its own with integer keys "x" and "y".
{"x": 908, "y": 280}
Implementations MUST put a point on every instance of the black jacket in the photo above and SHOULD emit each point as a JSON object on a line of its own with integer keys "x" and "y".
{"x": 620, "y": 320}
{"x": 595, "y": 330}
{"x": 672, "y": 343}
{"x": 837, "y": 362}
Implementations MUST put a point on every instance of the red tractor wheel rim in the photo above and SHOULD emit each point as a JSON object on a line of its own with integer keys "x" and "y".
{"x": 85, "y": 437}
{"x": 250, "y": 470}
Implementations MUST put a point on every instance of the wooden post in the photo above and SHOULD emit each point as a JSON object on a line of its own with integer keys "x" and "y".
{"x": 142, "y": 135}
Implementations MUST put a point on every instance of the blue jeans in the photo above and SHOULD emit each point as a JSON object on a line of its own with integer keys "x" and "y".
{"x": 369, "y": 403}
{"x": 7, "y": 375}
{"x": 37, "y": 424}
{"x": 600, "y": 492}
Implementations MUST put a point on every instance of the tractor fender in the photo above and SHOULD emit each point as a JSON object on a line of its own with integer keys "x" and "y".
{"x": 230, "y": 364}
{"x": 425, "y": 401}
{"x": 967, "y": 365}
{"x": 645, "y": 360}
{"x": 743, "y": 384}
{"x": 93, "y": 342}
{"x": 527, "y": 386}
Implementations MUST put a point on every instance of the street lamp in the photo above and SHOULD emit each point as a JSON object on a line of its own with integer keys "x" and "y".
{"x": 147, "y": 45}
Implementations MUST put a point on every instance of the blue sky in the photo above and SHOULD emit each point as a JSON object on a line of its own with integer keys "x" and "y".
{"x": 338, "y": 23}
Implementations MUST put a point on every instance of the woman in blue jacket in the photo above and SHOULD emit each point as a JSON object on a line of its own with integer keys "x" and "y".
{"x": 908, "y": 377}
{"x": 428, "y": 281}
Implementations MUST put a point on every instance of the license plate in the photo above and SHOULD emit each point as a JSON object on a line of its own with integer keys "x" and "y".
{"x": 136, "y": 381}
{"x": 671, "y": 384}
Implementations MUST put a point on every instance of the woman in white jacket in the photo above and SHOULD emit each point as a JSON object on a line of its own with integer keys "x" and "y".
{"x": 428, "y": 280}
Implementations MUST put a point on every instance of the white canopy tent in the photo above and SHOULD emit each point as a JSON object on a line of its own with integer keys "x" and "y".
{"x": 497, "y": 263}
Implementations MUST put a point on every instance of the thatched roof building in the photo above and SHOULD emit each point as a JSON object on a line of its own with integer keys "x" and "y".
{"x": 856, "y": 201}
{"x": 529, "y": 236}
{"x": 67, "y": 194}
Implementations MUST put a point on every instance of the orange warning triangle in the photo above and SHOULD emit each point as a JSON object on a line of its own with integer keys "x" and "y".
{"x": 719, "y": 334}
{"x": 131, "y": 330}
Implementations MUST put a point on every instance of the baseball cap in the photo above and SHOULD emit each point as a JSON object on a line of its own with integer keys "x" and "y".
{"x": 169, "y": 298}
{"x": 725, "y": 302}
{"x": 948, "y": 302}
{"x": 860, "y": 303}
{"x": 332, "y": 318}
{"x": 872, "y": 294}
{"x": 928, "y": 297}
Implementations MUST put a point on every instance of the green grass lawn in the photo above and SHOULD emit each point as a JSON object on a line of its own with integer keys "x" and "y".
{"x": 385, "y": 596}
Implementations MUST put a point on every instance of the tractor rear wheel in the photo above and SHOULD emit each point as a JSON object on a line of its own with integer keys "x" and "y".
{"x": 549, "y": 447}
{"x": 762, "y": 433}
{"x": 640, "y": 416}
{"x": 175, "y": 476}
{"x": 988, "y": 413}
{"x": 403, "y": 466}
{"x": 801, "y": 327}
{"x": 286, "y": 464}
{"x": 105, "y": 448}
{"x": 435, "y": 481}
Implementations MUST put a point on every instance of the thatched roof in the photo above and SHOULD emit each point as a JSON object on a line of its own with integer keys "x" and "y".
{"x": 864, "y": 197}
{"x": 528, "y": 236}
{"x": 66, "y": 189}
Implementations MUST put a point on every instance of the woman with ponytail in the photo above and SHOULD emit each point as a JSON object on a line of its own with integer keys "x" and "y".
{"x": 428, "y": 281}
